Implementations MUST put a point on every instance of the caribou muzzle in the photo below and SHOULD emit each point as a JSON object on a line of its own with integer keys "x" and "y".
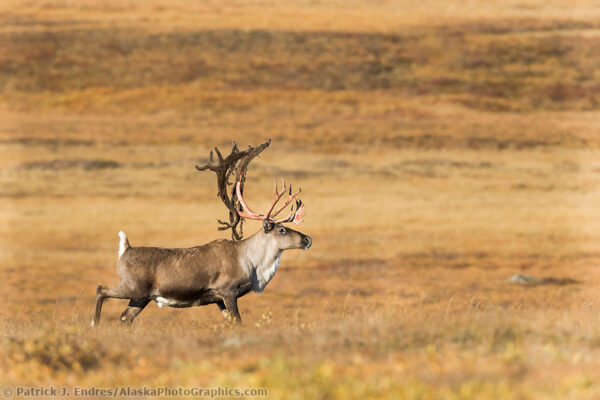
{"x": 307, "y": 242}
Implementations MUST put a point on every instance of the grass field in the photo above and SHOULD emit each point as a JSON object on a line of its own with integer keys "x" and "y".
{"x": 442, "y": 147}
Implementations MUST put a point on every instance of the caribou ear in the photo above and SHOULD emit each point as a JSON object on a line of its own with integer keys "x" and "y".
{"x": 268, "y": 226}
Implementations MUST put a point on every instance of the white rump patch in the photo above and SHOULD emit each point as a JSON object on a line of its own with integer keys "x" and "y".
{"x": 92, "y": 323}
{"x": 122, "y": 243}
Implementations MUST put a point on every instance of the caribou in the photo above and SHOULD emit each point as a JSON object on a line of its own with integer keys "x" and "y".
{"x": 218, "y": 272}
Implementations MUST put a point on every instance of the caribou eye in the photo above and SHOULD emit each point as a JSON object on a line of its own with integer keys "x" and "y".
{"x": 282, "y": 230}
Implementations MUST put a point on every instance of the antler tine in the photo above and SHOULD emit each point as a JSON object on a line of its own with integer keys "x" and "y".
{"x": 294, "y": 216}
{"x": 286, "y": 219}
{"x": 224, "y": 225}
{"x": 300, "y": 212}
{"x": 276, "y": 187}
{"x": 287, "y": 202}
{"x": 277, "y": 195}
{"x": 209, "y": 165}
{"x": 219, "y": 155}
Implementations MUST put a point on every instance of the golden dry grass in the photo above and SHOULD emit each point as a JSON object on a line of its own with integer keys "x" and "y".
{"x": 441, "y": 146}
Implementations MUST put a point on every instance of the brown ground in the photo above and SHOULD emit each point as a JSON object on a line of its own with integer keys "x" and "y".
{"x": 442, "y": 147}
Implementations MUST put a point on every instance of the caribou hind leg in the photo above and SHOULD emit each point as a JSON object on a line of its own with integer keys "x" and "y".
{"x": 133, "y": 309}
{"x": 105, "y": 292}
{"x": 223, "y": 309}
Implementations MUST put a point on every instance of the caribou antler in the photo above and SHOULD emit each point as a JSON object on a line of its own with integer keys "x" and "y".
{"x": 235, "y": 163}
{"x": 294, "y": 216}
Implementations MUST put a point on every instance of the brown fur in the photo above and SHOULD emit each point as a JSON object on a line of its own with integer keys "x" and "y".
{"x": 217, "y": 272}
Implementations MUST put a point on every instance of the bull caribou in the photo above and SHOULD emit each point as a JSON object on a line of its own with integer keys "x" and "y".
{"x": 217, "y": 272}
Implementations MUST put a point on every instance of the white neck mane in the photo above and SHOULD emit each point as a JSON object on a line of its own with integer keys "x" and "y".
{"x": 260, "y": 260}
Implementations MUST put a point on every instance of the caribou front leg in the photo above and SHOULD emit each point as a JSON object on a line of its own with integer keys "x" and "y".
{"x": 232, "y": 308}
{"x": 133, "y": 309}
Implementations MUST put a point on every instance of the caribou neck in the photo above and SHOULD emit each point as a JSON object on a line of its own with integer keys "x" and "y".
{"x": 259, "y": 257}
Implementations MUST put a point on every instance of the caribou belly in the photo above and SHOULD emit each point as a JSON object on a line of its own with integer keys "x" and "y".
{"x": 162, "y": 301}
